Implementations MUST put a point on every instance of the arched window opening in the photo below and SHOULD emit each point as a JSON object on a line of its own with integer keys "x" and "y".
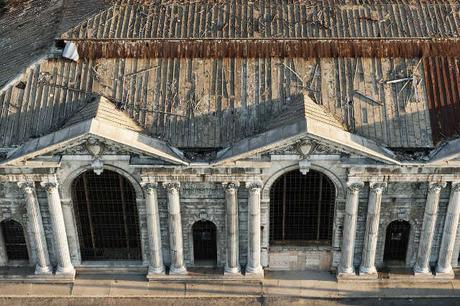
{"x": 204, "y": 243}
{"x": 15, "y": 240}
{"x": 107, "y": 218}
{"x": 396, "y": 241}
{"x": 302, "y": 208}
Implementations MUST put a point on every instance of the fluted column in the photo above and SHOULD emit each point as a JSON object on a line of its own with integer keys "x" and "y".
{"x": 254, "y": 265}
{"x": 232, "y": 264}
{"x": 372, "y": 229}
{"x": 35, "y": 225}
{"x": 57, "y": 221}
{"x": 349, "y": 230}
{"x": 429, "y": 223}
{"x": 71, "y": 230}
{"x": 3, "y": 254}
{"x": 153, "y": 226}
{"x": 175, "y": 229}
{"x": 449, "y": 235}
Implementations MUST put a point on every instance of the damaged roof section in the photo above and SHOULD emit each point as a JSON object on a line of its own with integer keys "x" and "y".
{"x": 214, "y": 103}
{"x": 28, "y": 29}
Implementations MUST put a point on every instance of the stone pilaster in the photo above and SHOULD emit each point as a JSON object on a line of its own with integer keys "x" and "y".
{"x": 426, "y": 237}
{"x": 444, "y": 266}
{"x": 254, "y": 265}
{"x": 3, "y": 254}
{"x": 59, "y": 231}
{"x": 35, "y": 225}
{"x": 153, "y": 227}
{"x": 349, "y": 230}
{"x": 232, "y": 264}
{"x": 372, "y": 229}
{"x": 175, "y": 229}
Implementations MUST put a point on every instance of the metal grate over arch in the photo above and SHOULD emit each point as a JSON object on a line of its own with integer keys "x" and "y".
{"x": 107, "y": 217}
{"x": 302, "y": 208}
{"x": 15, "y": 240}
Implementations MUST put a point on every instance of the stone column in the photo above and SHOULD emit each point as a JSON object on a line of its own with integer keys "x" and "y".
{"x": 444, "y": 266}
{"x": 3, "y": 254}
{"x": 71, "y": 230}
{"x": 35, "y": 225}
{"x": 175, "y": 229}
{"x": 372, "y": 229}
{"x": 153, "y": 229}
{"x": 254, "y": 265}
{"x": 349, "y": 230}
{"x": 57, "y": 221}
{"x": 426, "y": 237}
{"x": 232, "y": 264}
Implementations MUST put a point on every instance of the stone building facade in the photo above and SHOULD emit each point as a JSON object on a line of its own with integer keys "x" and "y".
{"x": 136, "y": 141}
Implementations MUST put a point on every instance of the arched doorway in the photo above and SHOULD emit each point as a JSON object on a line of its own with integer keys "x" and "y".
{"x": 204, "y": 243}
{"x": 107, "y": 217}
{"x": 396, "y": 242}
{"x": 302, "y": 209}
{"x": 15, "y": 240}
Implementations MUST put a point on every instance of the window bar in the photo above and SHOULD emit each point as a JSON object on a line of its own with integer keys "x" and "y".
{"x": 283, "y": 226}
{"x": 125, "y": 221}
{"x": 318, "y": 225}
{"x": 90, "y": 217}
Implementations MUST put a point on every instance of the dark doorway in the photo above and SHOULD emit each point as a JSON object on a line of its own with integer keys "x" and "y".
{"x": 107, "y": 218}
{"x": 204, "y": 243}
{"x": 396, "y": 241}
{"x": 15, "y": 241}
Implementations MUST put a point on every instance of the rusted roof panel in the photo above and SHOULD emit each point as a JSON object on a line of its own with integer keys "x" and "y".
{"x": 272, "y": 19}
{"x": 442, "y": 82}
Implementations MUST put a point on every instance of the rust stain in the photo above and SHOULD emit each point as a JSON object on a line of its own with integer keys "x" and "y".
{"x": 442, "y": 82}
{"x": 217, "y": 48}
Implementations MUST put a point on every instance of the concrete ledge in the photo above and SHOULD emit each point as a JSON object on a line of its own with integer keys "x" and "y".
{"x": 439, "y": 275}
{"x": 38, "y": 278}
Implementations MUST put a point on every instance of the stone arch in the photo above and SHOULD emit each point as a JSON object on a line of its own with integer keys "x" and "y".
{"x": 70, "y": 217}
{"x": 66, "y": 186}
{"x": 339, "y": 187}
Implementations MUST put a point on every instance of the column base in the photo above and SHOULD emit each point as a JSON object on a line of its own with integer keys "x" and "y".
{"x": 232, "y": 271}
{"x": 182, "y": 270}
{"x": 43, "y": 270}
{"x": 368, "y": 273}
{"x": 152, "y": 272}
{"x": 65, "y": 274}
{"x": 346, "y": 275}
{"x": 254, "y": 270}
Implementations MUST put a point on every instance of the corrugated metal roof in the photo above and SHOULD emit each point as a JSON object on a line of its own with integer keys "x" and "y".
{"x": 272, "y": 19}
{"x": 216, "y": 102}
{"x": 28, "y": 30}
{"x": 442, "y": 81}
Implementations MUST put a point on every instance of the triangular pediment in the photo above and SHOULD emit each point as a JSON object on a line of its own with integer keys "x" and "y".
{"x": 311, "y": 123}
{"x": 99, "y": 128}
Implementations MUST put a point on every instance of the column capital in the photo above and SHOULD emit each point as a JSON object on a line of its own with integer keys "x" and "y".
{"x": 49, "y": 186}
{"x": 436, "y": 187}
{"x": 231, "y": 186}
{"x": 355, "y": 186}
{"x": 455, "y": 187}
{"x": 254, "y": 185}
{"x": 171, "y": 186}
{"x": 27, "y": 186}
{"x": 149, "y": 186}
{"x": 377, "y": 187}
